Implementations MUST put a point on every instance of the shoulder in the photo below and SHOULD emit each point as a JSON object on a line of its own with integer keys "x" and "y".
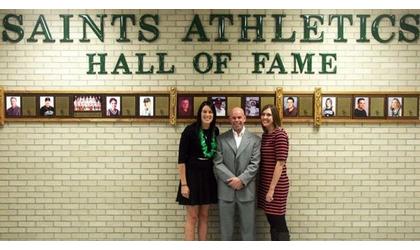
{"x": 280, "y": 133}
{"x": 190, "y": 129}
{"x": 226, "y": 134}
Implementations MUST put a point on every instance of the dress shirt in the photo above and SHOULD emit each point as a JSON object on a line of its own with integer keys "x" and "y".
{"x": 238, "y": 137}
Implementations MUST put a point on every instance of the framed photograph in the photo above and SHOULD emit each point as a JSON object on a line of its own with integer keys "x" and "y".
{"x": 361, "y": 106}
{"x": 46, "y": 106}
{"x": 252, "y": 106}
{"x": 185, "y": 106}
{"x": 290, "y": 106}
{"x": 329, "y": 106}
{"x": 87, "y": 103}
{"x": 146, "y": 105}
{"x": 395, "y": 106}
{"x": 219, "y": 103}
{"x": 113, "y": 106}
{"x": 13, "y": 106}
{"x": 2, "y": 111}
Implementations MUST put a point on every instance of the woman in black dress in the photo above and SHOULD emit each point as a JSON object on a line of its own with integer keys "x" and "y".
{"x": 197, "y": 188}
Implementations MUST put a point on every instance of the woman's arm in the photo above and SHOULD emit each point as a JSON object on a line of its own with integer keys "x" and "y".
{"x": 278, "y": 169}
{"x": 185, "y": 191}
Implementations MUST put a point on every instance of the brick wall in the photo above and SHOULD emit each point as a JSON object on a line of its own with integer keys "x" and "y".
{"x": 118, "y": 180}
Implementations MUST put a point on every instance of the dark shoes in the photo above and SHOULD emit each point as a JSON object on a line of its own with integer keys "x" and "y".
{"x": 279, "y": 236}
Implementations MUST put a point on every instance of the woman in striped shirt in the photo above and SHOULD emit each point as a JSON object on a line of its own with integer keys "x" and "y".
{"x": 273, "y": 186}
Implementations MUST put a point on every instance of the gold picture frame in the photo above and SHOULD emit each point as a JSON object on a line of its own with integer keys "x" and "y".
{"x": 2, "y": 107}
{"x": 309, "y": 106}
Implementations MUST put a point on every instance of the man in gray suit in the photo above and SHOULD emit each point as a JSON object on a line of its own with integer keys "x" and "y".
{"x": 235, "y": 166}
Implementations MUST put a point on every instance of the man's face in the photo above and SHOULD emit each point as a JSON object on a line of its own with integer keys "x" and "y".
{"x": 147, "y": 105}
{"x": 237, "y": 119}
{"x": 361, "y": 104}
{"x": 290, "y": 104}
{"x": 218, "y": 104}
{"x": 47, "y": 103}
{"x": 13, "y": 101}
{"x": 185, "y": 105}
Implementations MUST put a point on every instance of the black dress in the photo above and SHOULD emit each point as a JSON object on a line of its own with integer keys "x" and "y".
{"x": 198, "y": 169}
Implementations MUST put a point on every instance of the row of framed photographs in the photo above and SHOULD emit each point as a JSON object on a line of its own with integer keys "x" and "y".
{"x": 370, "y": 106}
{"x": 82, "y": 105}
{"x": 188, "y": 104}
{"x": 183, "y": 106}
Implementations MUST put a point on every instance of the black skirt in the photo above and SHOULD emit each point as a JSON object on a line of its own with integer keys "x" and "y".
{"x": 201, "y": 182}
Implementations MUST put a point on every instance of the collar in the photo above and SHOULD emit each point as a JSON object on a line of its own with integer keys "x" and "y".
{"x": 240, "y": 133}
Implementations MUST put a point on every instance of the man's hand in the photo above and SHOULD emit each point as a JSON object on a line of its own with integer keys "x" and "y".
{"x": 235, "y": 183}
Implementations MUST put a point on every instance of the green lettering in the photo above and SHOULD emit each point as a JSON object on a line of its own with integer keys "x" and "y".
{"x": 258, "y": 28}
{"x": 340, "y": 26}
{"x": 101, "y": 63}
{"x": 410, "y": 28}
{"x": 148, "y": 27}
{"x": 98, "y": 32}
{"x": 327, "y": 60}
{"x": 121, "y": 64}
{"x": 14, "y": 28}
{"x": 298, "y": 60}
{"x": 375, "y": 28}
{"x": 196, "y": 23}
{"x": 307, "y": 28}
{"x": 45, "y": 31}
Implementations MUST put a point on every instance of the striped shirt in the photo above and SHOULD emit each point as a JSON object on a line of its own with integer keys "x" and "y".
{"x": 274, "y": 147}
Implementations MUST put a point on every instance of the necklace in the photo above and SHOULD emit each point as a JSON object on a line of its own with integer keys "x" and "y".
{"x": 204, "y": 146}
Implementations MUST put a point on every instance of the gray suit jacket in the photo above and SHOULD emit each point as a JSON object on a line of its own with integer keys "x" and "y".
{"x": 232, "y": 162}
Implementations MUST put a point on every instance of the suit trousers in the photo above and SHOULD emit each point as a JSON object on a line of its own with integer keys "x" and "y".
{"x": 246, "y": 219}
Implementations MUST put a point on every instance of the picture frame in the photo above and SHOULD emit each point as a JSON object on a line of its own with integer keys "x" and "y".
{"x": 13, "y": 106}
{"x": 62, "y": 105}
{"x": 146, "y": 106}
{"x": 329, "y": 106}
{"x": 411, "y": 107}
{"x": 197, "y": 100}
{"x": 290, "y": 106}
{"x": 252, "y": 106}
{"x": 185, "y": 106}
{"x": 344, "y": 108}
{"x": 361, "y": 107}
{"x": 309, "y": 106}
{"x": 395, "y": 106}
{"x": 233, "y": 101}
{"x": 377, "y": 107}
{"x": 113, "y": 106}
{"x": 87, "y": 103}
{"x": 2, "y": 109}
{"x": 162, "y": 106}
{"x": 47, "y": 106}
{"x": 265, "y": 100}
{"x": 306, "y": 106}
{"x": 128, "y": 106}
{"x": 220, "y": 104}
